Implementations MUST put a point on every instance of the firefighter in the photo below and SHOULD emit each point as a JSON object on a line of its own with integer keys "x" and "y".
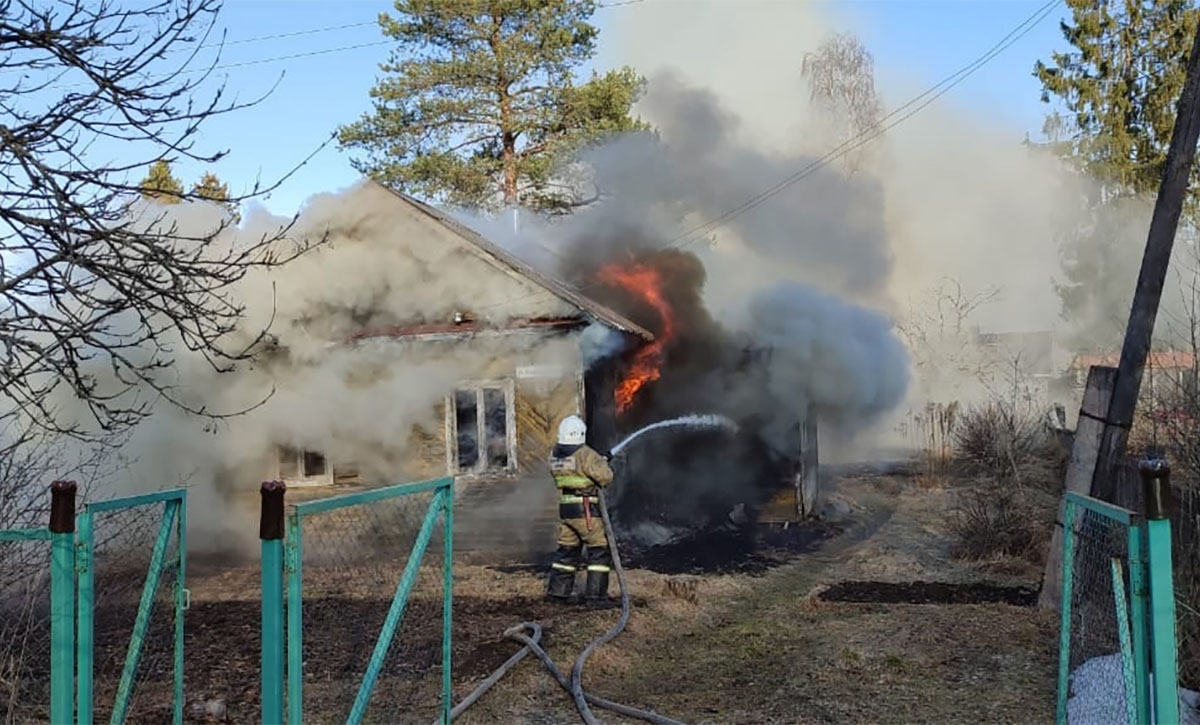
{"x": 578, "y": 472}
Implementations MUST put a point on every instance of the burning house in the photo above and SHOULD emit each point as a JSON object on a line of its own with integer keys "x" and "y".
{"x": 519, "y": 350}
{"x": 509, "y": 363}
{"x": 763, "y": 468}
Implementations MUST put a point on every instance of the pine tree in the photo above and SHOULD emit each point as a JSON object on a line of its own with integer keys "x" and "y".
{"x": 478, "y": 106}
{"x": 160, "y": 185}
{"x": 211, "y": 188}
{"x": 1116, "y": 90}
{"x": 1119, "y": 86}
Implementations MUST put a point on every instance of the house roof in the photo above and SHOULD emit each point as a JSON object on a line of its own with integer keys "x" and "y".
{"x": 506, "y": 260}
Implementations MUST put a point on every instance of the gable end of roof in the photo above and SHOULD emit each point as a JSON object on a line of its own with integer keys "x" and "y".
{"x": 502, "y": 257}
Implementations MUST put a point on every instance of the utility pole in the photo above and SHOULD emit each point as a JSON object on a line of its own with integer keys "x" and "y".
{"x": 1161, "y": 238}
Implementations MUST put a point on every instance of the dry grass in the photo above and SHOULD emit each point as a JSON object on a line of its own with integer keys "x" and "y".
{"x": 765, "y": 649}
{"x": 932, "y": 431}
{"x": 778, "y": 655}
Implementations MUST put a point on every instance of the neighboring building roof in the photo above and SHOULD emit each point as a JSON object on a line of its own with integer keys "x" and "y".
{"x": 1162, "y": 360}
{"x": 503, "y": 258}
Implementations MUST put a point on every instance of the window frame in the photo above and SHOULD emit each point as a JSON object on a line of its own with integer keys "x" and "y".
{"x": 481, "y": 468}
{"x": 302, "y": 481}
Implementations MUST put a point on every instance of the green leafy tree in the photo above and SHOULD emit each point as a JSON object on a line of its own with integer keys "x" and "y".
{"x": 160, "y": 185}
{"x": 211, "y": 188}
{"x": 1115, "y": 92}
{"x": 478, "y": 106}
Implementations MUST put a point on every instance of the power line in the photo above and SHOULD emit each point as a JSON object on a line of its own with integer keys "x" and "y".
{"x": 348, "y": 26}
{"x": 292, "y": 34}
{"x": 293, "y": 56}
{"x": 240, "y": 64}
{"x": 242, "y": 41}
{"x": 901, "y": 114}
{"x": 917, "y": 104}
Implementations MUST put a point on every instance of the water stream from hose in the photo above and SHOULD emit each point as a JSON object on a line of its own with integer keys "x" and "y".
{"x": 690, "y": 421}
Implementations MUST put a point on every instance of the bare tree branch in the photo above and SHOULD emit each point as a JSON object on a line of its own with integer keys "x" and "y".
{"x": 100, "y": 291}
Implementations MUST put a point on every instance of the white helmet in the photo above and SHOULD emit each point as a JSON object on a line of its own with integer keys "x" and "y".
{"x": 572, "y": 431}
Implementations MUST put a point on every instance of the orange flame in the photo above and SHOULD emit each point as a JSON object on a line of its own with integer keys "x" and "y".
{"x": 645, "y": 282}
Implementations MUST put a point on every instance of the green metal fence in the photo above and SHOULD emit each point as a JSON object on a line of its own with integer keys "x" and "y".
{"x": 130, "y": 558}
{"x": 350, "y": 566}
{"x": 97, "y": 549}
{"x": 1117, "y": 659}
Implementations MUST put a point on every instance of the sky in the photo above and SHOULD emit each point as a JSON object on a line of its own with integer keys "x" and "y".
{"x": 320, "y": 59}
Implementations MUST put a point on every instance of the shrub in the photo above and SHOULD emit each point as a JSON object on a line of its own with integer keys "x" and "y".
{"x": 1186, "y": 540}
{"x": 1000, "y": 521}
{"x": 1001, "y": 442}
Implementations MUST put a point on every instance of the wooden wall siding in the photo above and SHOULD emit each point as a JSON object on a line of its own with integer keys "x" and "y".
{"x": 540, "y": 405}
{"x": 427, "y": 448}
{"x": 534, "y": 438}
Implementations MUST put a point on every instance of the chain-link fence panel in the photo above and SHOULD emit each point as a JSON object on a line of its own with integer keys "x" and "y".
{"x": 130, "y": 562}
{"x": 24, "y": 627}
{"x": 371, "y": 587}
{"x": 135, "y": 609}
{"x": 1103, "y": 613}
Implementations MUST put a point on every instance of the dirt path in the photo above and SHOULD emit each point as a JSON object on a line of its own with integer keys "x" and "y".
{"x": 767, "y": 649}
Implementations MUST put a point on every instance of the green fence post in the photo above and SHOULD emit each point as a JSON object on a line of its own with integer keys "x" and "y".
{"x": 1139, "y": 598}
{"x": 1064, "y": 622}
{"x": 294, "y": 562}
{"x": 182, "y": 602}
{"x": 62, "y": 602}
{"x": 447, "y": 597}
{"x": 270, "y": 531}
{"x": 1156, "y": 476}
{"x": 1125, "y": 640}
{"x": 84, "y": 554}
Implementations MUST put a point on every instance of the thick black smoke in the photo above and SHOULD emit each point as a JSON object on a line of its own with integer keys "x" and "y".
{"x": 827, "y": 230}
{"x": 677, "y": 480}
{"x": 768, "y": 323}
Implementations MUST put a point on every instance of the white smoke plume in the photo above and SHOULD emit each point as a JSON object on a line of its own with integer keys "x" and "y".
{"x": 310, "y": 387}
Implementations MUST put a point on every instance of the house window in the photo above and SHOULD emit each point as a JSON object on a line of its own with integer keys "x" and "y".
{"x": 303, "y": 468}
{"x": 480, "y": 426}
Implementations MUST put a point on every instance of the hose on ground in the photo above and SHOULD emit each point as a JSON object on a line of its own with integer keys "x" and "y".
{"x": 577, "y": 670}
{"x": 574, "y": 685}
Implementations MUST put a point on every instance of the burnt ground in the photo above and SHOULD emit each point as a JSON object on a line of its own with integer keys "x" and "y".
{"x": 748, "y": 550}
{"x": 920, "y": 592}
{"x": 744, "y": 550}
{"x": 741, "y": 644}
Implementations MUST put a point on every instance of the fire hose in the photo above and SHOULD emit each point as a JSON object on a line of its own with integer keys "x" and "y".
{"x": 529, "y": 634}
